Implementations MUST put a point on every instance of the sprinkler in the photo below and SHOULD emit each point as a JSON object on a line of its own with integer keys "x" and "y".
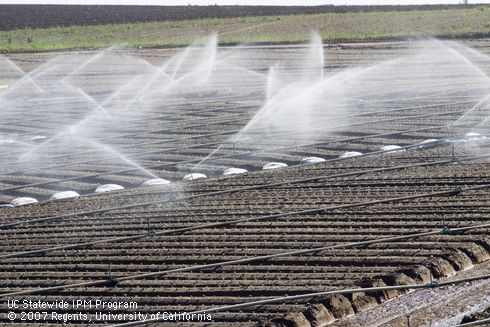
{"x": 149, "y": 230}
{"x": 111, "y": 280}
{"x": 432, "y": 283}
{"x": 453, "y": 156}
{"x": 445, "y": 230}
{"x": 457, "y": 189}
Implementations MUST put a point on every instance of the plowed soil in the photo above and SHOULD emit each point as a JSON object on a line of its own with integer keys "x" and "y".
{"x": 42, "y": 16}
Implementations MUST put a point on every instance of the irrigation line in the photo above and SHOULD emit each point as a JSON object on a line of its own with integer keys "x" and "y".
{"x": 240, "y": 220}
{"x": 310, "y": 296}
{"x": 249, "y": 260}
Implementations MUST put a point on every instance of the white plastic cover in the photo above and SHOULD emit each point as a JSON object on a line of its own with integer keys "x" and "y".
{"x": 311, "y": 160}
{"x": 7, "y": 141}
{"x": 38, "y": 138}
{"x": 64, "y": 195}
{"x": 274, "y": 165}
{"x": 426, "y": 143}
{"x": 108, "y": 188}
{"x": 156, "y": 181}
{"x": 194, "y": 176}
{"x": 234, "y": 171}
{"x": 471, "y": 136}
{"x": 350, "y": 154}
{"x": 429, "y": 141}
{"x": 392, "y": 148}
{"x": 22, "y": 201}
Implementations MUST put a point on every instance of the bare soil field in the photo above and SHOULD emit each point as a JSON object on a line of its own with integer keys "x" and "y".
{"x": 48, "y": 28}
{"x": 206, "y": 244}
{"x": 42, "y": 16}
